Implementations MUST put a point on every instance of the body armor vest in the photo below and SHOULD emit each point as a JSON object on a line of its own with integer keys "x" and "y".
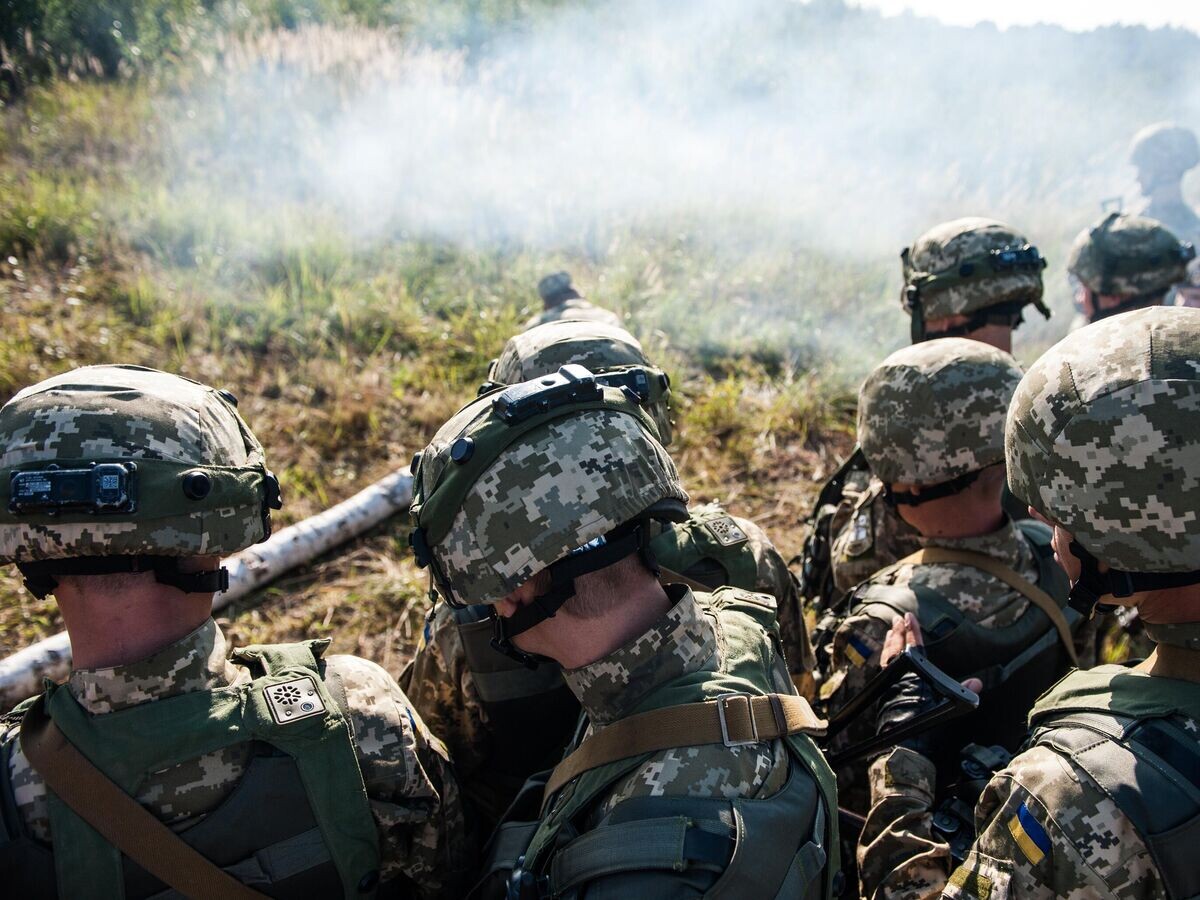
{"x": 785, "y": 845}
{"x": 1127, "y": 731}
{"x": 1016, "y": 663}
{"x": 297, "y": 824}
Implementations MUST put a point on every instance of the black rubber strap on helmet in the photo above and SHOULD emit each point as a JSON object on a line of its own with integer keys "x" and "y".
{"x": 1093, "y": 585}
{"x": 616, "y": 546}
{"x": 41, "y": 576}
{"x": 934, "y": 492}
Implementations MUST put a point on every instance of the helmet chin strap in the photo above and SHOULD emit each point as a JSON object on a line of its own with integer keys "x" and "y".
{"x": 41, "y": 576}
{"x": 1092, "y": 586}
{"x": 615, "y": 546}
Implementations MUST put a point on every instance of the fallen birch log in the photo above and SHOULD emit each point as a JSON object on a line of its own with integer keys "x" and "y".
{"x": 21, "y": 674}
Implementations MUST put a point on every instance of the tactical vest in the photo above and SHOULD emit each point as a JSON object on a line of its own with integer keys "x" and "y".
{"x": 781, "y": 846}
{"x": 1126, "y": 731}
{"x": 709, "y": 548}
{"x": 298, "y": 823}
{"x": 1015, "y": 663}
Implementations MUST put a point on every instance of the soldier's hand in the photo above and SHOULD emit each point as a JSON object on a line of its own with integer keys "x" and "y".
{"x": 905, "y": 632}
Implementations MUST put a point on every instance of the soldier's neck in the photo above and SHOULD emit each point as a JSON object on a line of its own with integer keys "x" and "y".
{"x": 573, "y": 641}
{"x": 1171, "y": 661}
{"x": 115, "y": 628}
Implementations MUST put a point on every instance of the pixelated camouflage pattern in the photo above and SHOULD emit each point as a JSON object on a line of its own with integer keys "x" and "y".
{"x": 982, "y": 598}
{"x": 597, "y": 346}
{"x": 1095, "y": 851}
{"x": 935, "y": 410}
{"x": 120, "y": 413}
{"x": 558, "y": 487}
{"x": 686, "y": 640}
{"x": 412, "y": 792}
{"x": 1146, "y": 252}
{"x": 1103, "y": 436}
{"x": 947, "y": 246}
{"x": 867, "y": 534}
{"x": 1165, "y": 148}
{"x": 576, "y": 310}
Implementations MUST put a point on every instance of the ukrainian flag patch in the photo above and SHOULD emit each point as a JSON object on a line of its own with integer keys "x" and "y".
{"x": 857, "y": 650}
{"x": 1029, "y": 834}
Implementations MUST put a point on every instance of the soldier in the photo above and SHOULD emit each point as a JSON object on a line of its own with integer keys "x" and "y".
{"x": 279, "y": 771}
{"x": 561, "y": 302}
{"x": 1125, "y": 262}
{"x": 968, "y": 278}
{"x": 1163, "y": 153}
{"x": 931, "y": 424}
{"x": 695, "y": 774}
{"x": 1103, "y": 440}
{"x": 478, "y": 700}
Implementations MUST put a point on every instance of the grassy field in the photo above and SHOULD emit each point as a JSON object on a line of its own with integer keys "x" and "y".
{"x": 347, "y": 354}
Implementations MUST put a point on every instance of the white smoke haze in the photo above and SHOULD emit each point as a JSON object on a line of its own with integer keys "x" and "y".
{"x": 749, "y": 124}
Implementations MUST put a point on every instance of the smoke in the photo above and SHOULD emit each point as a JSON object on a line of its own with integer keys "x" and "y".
{"x": 749, "y": 123}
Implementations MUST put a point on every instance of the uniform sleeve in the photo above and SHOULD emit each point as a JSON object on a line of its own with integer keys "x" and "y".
{"x": 411, "y": 787}
{"x": 898, "y": 857}
{"x": 440, "y": 686}
{"x": 1046, "y": 830}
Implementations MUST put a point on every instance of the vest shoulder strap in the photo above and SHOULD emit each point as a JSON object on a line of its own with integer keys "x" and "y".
{"x": 1150, "y": 768}
{"x": 1014, "y": 579}
{"x": 732, "y": 719}
{"x": 122, "y": 821}
{"x": 273, "y": 658}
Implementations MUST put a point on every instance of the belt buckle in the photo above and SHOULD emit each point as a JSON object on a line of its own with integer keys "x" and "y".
{"x": 722, "y": 700}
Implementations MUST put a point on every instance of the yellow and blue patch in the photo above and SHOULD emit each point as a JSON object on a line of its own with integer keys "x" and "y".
{"x": 857, "y": 650}
{"x": 1029, "y": 834}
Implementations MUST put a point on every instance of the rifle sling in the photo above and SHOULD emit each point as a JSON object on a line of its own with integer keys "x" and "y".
{"x": 997, "y": 569}
{"x": 119, "y": 818}
{"x": 732, "y": 719}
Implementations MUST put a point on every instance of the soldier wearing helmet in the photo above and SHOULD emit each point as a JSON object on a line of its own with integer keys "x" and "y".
{"x": 562, "y": 302}
{"x": 970, "y": 278}
{"x": 1163, "y": 153}
{"x": 537, "y": 500}
{"x": 476, "y": 699}
{"x": 1103, "y": 440}
{"x": 1125, "y": 262}
{"x": 931, "y": 425}
{"x": 299, "y": 773}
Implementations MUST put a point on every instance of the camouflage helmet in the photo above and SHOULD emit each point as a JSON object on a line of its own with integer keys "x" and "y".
{"x": 973, "y": 267}
{"x": 520, "y": 479}
{"x": 1124, "y": 255}
{"x": 934, "y": 411}
{"x": 601, "y": 348}
{"x": 112, "y": 461}
{"x": 1165, "y": 149}
{"x": 1103, "y": 436}
{"x": 556, "y": 288}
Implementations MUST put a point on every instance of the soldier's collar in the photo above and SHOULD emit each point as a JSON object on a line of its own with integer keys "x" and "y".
{"x": 1006, "y": 544}
{"x": 195, "y": 662}
{"x": 684, "y": 640}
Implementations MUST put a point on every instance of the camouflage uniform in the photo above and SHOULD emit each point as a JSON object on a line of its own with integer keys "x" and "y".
{"x": 569, "y": 488}
{"x": 978, "y": 268}
{"x": 1163, "y": 154}
{"x": 199, "y": 485}
{"x": 1101, "y": 437}
{"x": 564, "y": 303}
{"x": 405, "y": 769}
{"x": 928, "y": 414}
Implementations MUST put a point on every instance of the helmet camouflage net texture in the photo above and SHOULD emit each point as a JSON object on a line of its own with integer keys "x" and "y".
{"x": 970, "y": 264}
{"x": 934, "y": 411}
{"x": 195, "y": 480}
{"x": 1103, "y": 436}
{"x": 508, "y": 487}
{"x": 1125, "y": 256}
{"x": 599, "y": 347}
{"x": 1166, "y": 149}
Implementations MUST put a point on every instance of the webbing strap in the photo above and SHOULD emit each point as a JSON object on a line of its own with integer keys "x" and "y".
{"x": 120, "y": 819}
{"x": 732, "y": 720}
{"x": 997, "y": 569}
{"x": 670, "y": 576}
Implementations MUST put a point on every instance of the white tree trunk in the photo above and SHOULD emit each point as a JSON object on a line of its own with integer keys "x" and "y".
{"x": 21, "y": 674}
